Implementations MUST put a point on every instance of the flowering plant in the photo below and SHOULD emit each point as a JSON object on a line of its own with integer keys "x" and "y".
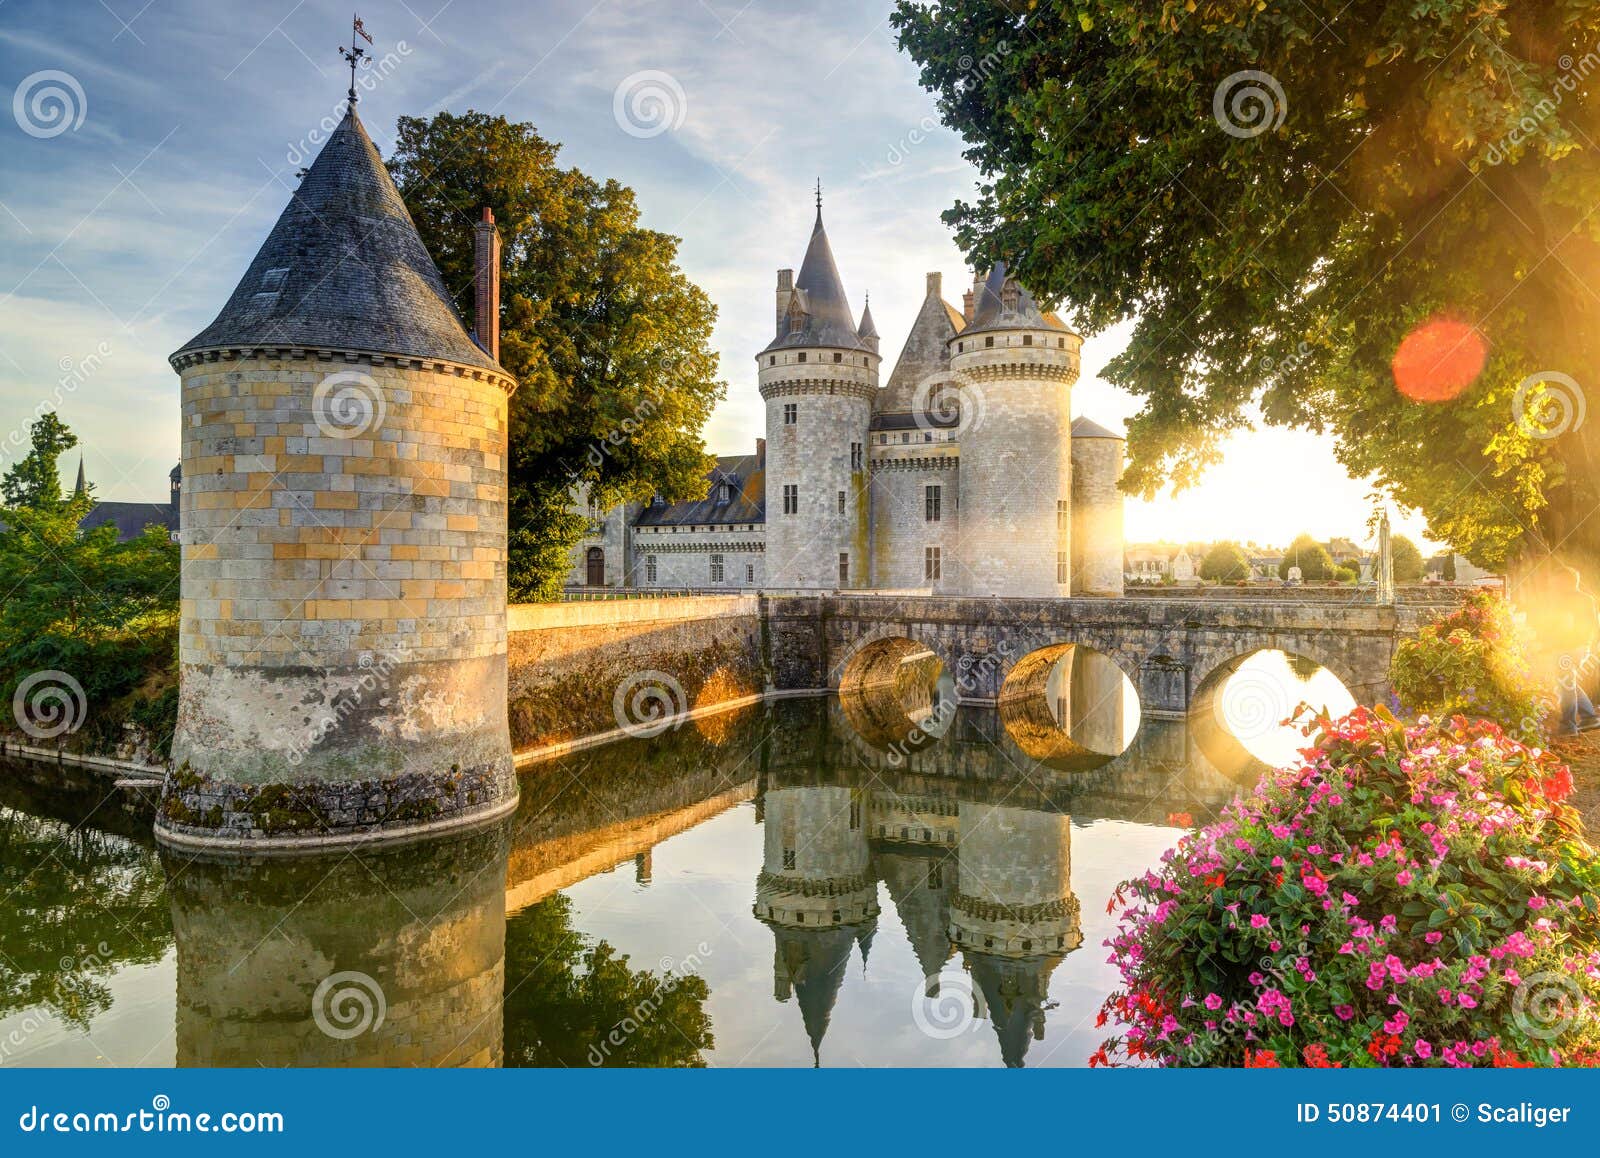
{"x": 1471, "y": 661}
{"x": 1400, "y": 896}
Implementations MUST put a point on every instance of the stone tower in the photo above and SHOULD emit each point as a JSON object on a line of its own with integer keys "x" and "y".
{"x": 818, "y": 376}
{"x": 1014, "y": 367}
{"x": 1097, "y": 460}
{"x": 343, "y": 639}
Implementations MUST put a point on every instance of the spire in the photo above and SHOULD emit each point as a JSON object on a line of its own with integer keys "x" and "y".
{"x": 81, "y": 488}
{"x": 344, "y": 269}
{"x": 867, "y": 331}
{"x": 829, "y": 320}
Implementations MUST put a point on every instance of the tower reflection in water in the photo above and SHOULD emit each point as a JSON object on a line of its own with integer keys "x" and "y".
{"x": 364, "y": 958}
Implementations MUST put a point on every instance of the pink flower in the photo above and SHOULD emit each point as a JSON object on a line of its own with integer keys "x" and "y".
{"x": 1424, "y": 1050}
{"x": 1345, "y": 1012}
{"x": 1434, "y": 937}
{"x": 1259, "y": 921}
{"x": 1403, "y": 877}
{"x": 1466, "y": 1001}
{"x": 1213, "y": 1001}
{"x": 1537, "y": 902}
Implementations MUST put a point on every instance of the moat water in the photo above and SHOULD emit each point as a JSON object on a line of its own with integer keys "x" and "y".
{"x": 874, "y": 880}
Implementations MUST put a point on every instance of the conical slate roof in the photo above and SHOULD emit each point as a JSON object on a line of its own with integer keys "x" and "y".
{"x": 990, "y": 312}
{"x": 1088, "y": 428}
{"x": 867, "y": 329}
{"x": 344, "y": 269}
{"x": 829, "y": 320}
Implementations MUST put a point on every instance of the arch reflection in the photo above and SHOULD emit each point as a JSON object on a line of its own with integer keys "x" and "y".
{"x": 1070, "y": 707}
{"x": 1241, "y": 718}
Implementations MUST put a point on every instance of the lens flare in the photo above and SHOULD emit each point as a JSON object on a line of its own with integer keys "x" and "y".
{"x": 1437, "y": 360}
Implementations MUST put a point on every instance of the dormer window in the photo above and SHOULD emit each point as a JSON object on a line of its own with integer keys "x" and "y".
{"x": 724, "y": 494}
{"x": 797, "y": 321}
{"x": 1009, "y": 297}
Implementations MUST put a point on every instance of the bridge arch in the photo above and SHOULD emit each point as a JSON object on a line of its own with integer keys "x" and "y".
{"x": 1239, "y": 726}
{"x": 874, "y": 656}
{"x": 1069, "y": 705}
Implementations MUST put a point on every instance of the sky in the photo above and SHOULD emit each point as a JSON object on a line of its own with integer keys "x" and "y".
{"x": 149, "y": 145}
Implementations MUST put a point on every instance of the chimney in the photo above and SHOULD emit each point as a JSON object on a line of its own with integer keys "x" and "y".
{"x": 486, "y": 283}
{"x": 966, "y": 306}
{"x": 785, "y": 287}
{"x": 761, "y": 454}
{"x": 936, "y": 285}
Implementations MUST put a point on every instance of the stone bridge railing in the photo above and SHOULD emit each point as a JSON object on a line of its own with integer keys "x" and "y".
{"x": 1168, "y": 648}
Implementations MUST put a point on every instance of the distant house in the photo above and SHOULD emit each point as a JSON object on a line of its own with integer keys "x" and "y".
{"x": 131, "y": 519}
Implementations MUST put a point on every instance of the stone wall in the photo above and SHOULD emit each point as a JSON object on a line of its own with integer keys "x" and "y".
{"x": 901, "y": 532}
{"x": 683, "y": 557}
{"x": 584, "y": 669}
{"x": 343, "y": 603}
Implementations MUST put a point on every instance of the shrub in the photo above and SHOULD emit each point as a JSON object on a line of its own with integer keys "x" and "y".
{"x": 1470, "y": 662}
{"x": 1403, "y": 896}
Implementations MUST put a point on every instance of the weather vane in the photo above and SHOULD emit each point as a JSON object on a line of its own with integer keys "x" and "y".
{"x": 819, "y": 196}
{"x": 355, "y": 53}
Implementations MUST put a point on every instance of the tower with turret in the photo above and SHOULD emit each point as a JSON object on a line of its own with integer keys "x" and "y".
{"x": 342, "y": 647}
{"x": 1014, "y": 367}
{"x": 818, "y": 377}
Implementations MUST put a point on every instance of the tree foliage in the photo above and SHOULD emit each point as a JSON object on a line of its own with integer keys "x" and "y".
{"x": 1401, "y": 163}
{"x": 1407, "y": 560}
{"x": 1226, "y": 562}
{"x": 1310, "y": 556}
{"x": 606, "y": 336}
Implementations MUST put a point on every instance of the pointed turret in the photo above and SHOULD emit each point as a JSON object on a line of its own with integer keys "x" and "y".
{"x": 1002, "y": 302}
{"x": 867, "y": 331}
{"x": 344, "y": 269}
{"x": 81, "y": 487}
{"x": 818, "y": 312}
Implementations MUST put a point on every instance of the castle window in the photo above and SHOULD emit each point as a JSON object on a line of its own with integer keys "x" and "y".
{"x": 797, "y": 321}
{"x": 1063, "y": 518}
{"x": 960, "y": 346}
{"x": 1061, "y": 343}
{"x": 716, "y": 568}
{"x": 844, "y": 568}
{"x": 1009, "y": 297}
{"x": 855, "y": 456}
{"x": 772, "y": 360}
{"x": 905, "y": 436}
{"x": 802, "y": 357}
{"x": 791, "y": 413}
{"x": 724, "y": 494}
{"x": 988, "y": 343}
{"x": 649, "y": 568}
{"x": 927, "y": 436}
{"x": 930, "y": 562}
{"x": 1027, "y": 339}
{"x": 1061, "y": 566}
{"x": 930, "y": 504}
{"x": 841, "y": 502}
{"x": 749, "y": 572}
{"x": 838, "y": 357}
{"x": 855, "y": 813}
{"x": 788, "y": 859}
{"x": 791, "y": 499}
{"x": 883, "y": 440}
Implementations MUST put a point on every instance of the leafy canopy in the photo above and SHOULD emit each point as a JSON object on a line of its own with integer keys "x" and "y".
{"x": 1423, "y": 161}
{"x": 1226, "y": 562}
{"x": 1310, "y": 556}
{"x": 606, "y": 336}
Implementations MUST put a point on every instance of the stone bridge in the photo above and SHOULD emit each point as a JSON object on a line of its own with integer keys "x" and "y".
{"x": 1171, "y": 649}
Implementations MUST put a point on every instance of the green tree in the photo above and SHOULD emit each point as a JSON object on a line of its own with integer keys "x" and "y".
{"x": 1226, "y": 562}
{"x": 566, "y": 996}
{"x": 1407, "y": 560}
{"x": 1310, "y": 556}
{"x": 609, "y": 341}
{"x": 34, "y": 481}
{"x": 1400, "y": 163}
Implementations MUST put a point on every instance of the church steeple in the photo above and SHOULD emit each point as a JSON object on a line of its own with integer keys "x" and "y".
{"x": 81, "y": 487}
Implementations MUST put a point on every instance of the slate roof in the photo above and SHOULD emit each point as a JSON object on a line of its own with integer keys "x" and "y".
{"x": 829, "y": 321}
{"x": 925, "y": 354}
{"x": 989, "y": 309}
{"x": 1088, "y": 428}
{"x": 344, "y": 268}
{"x": 131, "y": 519}
{"x": 748, "y": 505}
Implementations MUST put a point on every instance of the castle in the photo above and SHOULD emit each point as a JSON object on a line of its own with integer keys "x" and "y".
{"x": 963, "y": 474}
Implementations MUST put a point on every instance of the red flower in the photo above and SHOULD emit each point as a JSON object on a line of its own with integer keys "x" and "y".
{"x": 1315, "y": 1055}
{"x": 1099, "y": 1058}
{"x": 1507, "y": 1060}
{"x": 1215, "y": 880}
{"x": 1180, "y": 820}
{"x": 1261, "y": 1059}
{"x": 1558, "y": 785}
